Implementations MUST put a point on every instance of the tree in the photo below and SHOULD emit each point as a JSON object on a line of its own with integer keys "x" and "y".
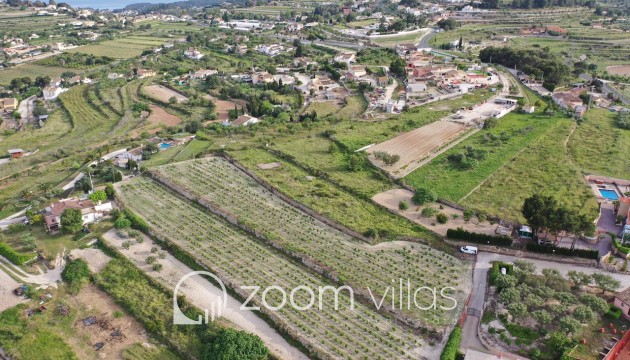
{"x": 44, "y": 187}
{"x": 192, "y": 126}
{"x": 583, "y": 314}
{"x": 579, "y": 279}
{"x": 122, "y": 222}
{"x": 172, "y": 100}
{"x": 517, "y": 309}
{"x": 605, "y": 282}
{"x": 460, "y": 45}
{"x": 98, "y": 196}
{"x": 231, "y": 344}
{"x": 109, "y": 191}
{"x": 543, "y": 317}
{"x": 509, "y": 295}
{"x": 397, "y": 67}
{"x": 537, "y": 210}
{"x": 71, "y": 220}
{"x": 84, "y": 184}
{"x": 506, "y": 281}
{"x": 569, "y": 325}
{"x": 525, "y": 266}
{"x": 424, "y": 196}
{"x": 595, "y": 303}
{"x": 75, "y": 273}
{"x": 131, "y": 164}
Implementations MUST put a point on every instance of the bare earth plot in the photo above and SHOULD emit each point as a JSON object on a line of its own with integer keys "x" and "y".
{"x": 163, "y": 93}
{"x": 158, "y": 118}
{"x": 7, "y": 298}
{"x": 623, "y": 70}
{"x": 415, "y": 146}
{"x": 223, "y": 106}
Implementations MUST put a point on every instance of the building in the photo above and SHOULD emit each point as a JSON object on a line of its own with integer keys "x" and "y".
{"x": 404, "y": 49}
{"x": 243, "y": 120}
{"x": 202, "y": 74}
{"x": 357, "y": 71}
{"x": 8, "y": 104}
{"x": 114, "y": 76}
{"x": 193, "y": 53}
{"x": 16, "y": 153}
{"x": 51, "y": 92}
{"x": 346, "y": 57}
{"x": 270, "y": 50}
{"x": 144, "y": 73}
{"x": 90, "y": 212}
{"x": 622, "y": 301}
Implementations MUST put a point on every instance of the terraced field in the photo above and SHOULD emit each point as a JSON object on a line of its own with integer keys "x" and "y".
{"x": 350, "y": 261}
{"x": 122, "y": 48}
{"x": 240, "y": 260}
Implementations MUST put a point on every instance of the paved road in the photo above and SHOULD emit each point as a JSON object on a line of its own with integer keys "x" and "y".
{"x": 608, "y": 89}
{"x": 425, "y": 39}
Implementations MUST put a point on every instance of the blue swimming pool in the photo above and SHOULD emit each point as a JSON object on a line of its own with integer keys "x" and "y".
{"x": 165, "y": 146}
{"x": 609, "y": 194}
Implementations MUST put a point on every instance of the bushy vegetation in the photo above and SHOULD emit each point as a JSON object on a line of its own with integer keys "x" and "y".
{"x": 423, "y": 196}
{"x": 76, "y": 273}
{"x": 562, "y": 251}
{"x": 452, "y": 344}
{"x": 461, "y": 234}
{"x": 76, "y": 60}
{"x": 386, "y": 158}
{"x": 13, "y": 256}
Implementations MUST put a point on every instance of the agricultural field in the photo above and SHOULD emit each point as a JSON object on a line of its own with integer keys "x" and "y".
{"x": 225, "y": 250}
{"x": 217, "y": 182}
{"x": 163, "y": 94}
{"x": 413, "y": 147}
{"x": 32, "y": 71}
{"x": 354, "y": 106}
{"x": 32, "y": 22}
{"x": 122, "y": 48}
{"x": 392, "y": 41}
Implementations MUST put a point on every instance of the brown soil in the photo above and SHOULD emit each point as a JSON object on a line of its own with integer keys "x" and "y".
{"x": 223, "y": 106}
{"x": 623, "y": 70}
{"x": 163, "y": 94}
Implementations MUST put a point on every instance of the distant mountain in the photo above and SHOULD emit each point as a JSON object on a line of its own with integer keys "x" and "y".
{"x": 187, "y": 4}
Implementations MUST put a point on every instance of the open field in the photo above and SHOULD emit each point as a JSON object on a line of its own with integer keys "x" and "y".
{"x": 543, "y": 167}
{"x": 32, "y": 22}
{"x": 224, "y": 250}
{"x": 32, "y": 71}
{"x": 122, "y": 48}
{"x": 414, "y": 146}
{"x": 163, "y": 93}
{"x": 215, "y": 181}
{"x": 512, "y": 133}
{"x": 353, "y": 107}
{"x": 599, "y": 147}
{"x": 392, "y": 41}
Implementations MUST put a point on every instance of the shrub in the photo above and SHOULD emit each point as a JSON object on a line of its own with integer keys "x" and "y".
{"x": 581, "y": 253}
{"x": 614, "y": 312}
{"x": 151, "y": 260}
{"x": 468, "y": 214}
{"x": 157, "y": 267}
{"x": 122, "y": 223}
{"x": 461, "y": 234}
{"x": 452, "y": 344}
{"x": 234, "y": 344}
{"x": 428, "y": 212}
{"x": 441, "y": 218}
{"x": 423, "y": 196}
{"x": 403, "y": 205}
{"x": 98, "y": 195}
{"x": 76, "y": 273}
{"x": 17, "y": 227}
{"x": 495, "y": 271}
{"x": 136, "y": 222}
{"x": 13, "y": 256}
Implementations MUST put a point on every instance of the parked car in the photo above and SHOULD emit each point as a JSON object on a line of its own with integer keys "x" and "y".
{"x": 546, "y": 242}
{"x": 472, "y": 250}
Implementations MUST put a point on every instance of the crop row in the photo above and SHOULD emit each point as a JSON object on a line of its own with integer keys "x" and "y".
{"x": 217, "y": 182}
{"x": 240, "y": 260}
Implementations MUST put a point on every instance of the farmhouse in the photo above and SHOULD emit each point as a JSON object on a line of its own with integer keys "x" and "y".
{"x": 51, "y": 92}
{"x": 357, "y": 71}
{"x": 323, "y": 83}
{"x": 16, "y": 153}
{"x": 90, "y": 212}
{"x": 202, "y": 74}
{"x": 262, "y": 77}
{"x": 243, "y": 120}
{"x": 114, "y": 76}
{"x": 8, "y": 104}
{"x": 143, "y": 73}
{"x": 568, "y": 99}
{"x": 405, "y": 49}
{"x": 270, "y": 50}
{"x": 346, "y": 57}
{"x": 622, "y": 301}
{"x": 193, "y": 53}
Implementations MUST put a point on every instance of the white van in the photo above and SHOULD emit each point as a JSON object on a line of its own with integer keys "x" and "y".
{"x": 472, "y": 250}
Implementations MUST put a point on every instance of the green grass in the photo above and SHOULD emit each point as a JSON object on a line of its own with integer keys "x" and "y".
{"x": 543, "y": 167}
{"x": 32, "y": 71}
{"x": 122, "y": 48}
{"x": 598, "y": 147}
{"x": 453, "y": 184}
{"x": 192, "y": 149}
{"x": 140, "y": 352}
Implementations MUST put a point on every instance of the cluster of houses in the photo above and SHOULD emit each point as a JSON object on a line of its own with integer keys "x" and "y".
{"x": 90, "y": 212}
{"x": 17, "y": 47}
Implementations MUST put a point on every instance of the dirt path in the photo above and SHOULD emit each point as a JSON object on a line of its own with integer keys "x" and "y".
{"x": 199, "y": 291}
{"x": 566, "y": 143}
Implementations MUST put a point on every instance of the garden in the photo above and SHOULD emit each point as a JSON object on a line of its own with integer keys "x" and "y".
{"x": 545, "y": 315}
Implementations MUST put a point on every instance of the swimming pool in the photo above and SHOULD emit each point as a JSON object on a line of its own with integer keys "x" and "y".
{"x": 609, "y": 194}
{"x": 165, "y": 146}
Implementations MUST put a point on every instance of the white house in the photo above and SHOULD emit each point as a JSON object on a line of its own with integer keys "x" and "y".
{"x": 90, "y": 212}
{"x": 193, "y": 53}
{"x": 270, "y": 50}
{"x": 346, "y": 57}
{"x": 202, "y": 74}
{"x": 243, "y": 120}
{"x": 51, "y": 92}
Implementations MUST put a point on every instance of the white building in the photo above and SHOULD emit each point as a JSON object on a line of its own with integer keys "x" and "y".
{"x": 193, "y": 53}
{"x": 51, "y": 92}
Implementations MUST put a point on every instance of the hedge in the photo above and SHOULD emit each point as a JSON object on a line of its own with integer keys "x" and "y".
{"x": 614, "y": 312}
{"x": 581, "y": 253}
{"x": 496, "y": 270}
{"x": 136, "y": 222}
{"x": 14, "y": 256}
{"x": 452, "y": 344}
{"x": 461, "y": 234}
{"x": 622, "y": 249}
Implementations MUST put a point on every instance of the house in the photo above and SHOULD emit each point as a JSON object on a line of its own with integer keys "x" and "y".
{"x": 294, "y": 27}
{"x": 51, "y": 92}
{"x": 193, "y": 53}
{"x": 244, "y": 120}
{"x": 415, "y": 88}
{"x": 357, "y": 71}
{"x": 262, "y": 77}
{"x": 144, "y": 73}
{"x": 55, "y": 81}
{"x": 323, "y": 83}
{"x": 202, "y": 74}
{"x": 528, "y": 109}
{"x": 73, "y": 80}
{"x": 382, "y": 81}
{"x": 8, "y": 104}
{"x": 134, "y": 154}
{"x": 622, "y": 301}
{"x": 114, "y": 76}
{"x": 90, "y": 212}
{"x": 303, "y": 61}
{"x": 405, "y": 49}
{"x": 566, "y": 99}
{"x": 270, "y": 50}
{"x": 346, "y": 57}
{"x": 16, "y": 153}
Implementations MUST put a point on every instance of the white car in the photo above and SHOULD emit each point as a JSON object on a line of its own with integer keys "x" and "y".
{"x": 469, "y": 250}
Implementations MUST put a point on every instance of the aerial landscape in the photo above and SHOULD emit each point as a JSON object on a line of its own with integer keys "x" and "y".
{"x": 309, "y": 179}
